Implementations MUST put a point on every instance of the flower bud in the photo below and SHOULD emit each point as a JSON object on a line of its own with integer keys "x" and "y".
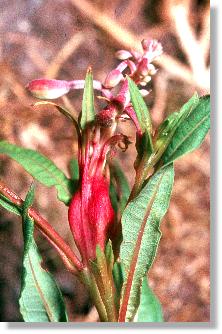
{"x": 48, "y": 89}
{"x": 123, "y": 54}
{"x": 106, "y": 117}
{"x": 143, "y": 67}
{"x": 143, "y": 83}
{"x": 113, "y": 78}
{"x": 144, "y": 92}
{"x": 145, "y": 44}
{"x": 152, "y": 69}
{"x": 147, "y": 79}
{"x": 154, "y": 50}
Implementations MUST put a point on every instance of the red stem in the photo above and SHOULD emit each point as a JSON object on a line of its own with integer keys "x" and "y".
{"x": 68, "y": 256}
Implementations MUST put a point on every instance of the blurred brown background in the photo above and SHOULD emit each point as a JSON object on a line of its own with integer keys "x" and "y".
{"x": 59, "y": 39}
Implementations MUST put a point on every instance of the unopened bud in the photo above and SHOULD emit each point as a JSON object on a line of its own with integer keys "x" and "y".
{"x": 136, "y": 54}
{"x": 113, "y": 78}
{"x": 144, "y": 92}
{"x": 147, "y": 79}
{"x": 143, "y": 83}
{"x": 143, "y": 67}
{"x": 145, "y": 44}
{"x": 152, "y": 69}
{"x": 48, "y": 89}
{"x": 106, "y": 117}
{"x": 123, "y": 54}
{"x": 155, "y": 50}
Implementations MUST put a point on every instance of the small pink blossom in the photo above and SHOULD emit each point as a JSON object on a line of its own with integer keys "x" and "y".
{"x": 48, "y": 89}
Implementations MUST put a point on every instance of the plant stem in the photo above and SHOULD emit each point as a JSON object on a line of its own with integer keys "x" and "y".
{"x": 69, "y": 258}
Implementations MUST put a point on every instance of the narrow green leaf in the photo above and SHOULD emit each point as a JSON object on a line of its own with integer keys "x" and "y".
{"x": 113, "y": 196}
{"x": 40, "y": 167}
{"x": 8, "y": 205}
{"x": 93, "y": 288}
{"x": 140, "y": 107}
{"x": 150, "y": 309}
{"x": 144, "y": 147}
{"x": 144, "y": 144}
{"x": 122, "y": 185}
{"x": 74, "y": 169}
{"x": 118, "y": 277}
{"x": 102, "y": 268}
{"x": 190, "y": 133}
{"x": 109, "y": 255}
{"x": 40, "y": 298}
{"x": 88, "y": 112}
{"x": 74, "y": 173}
{"x": 168, "y": 127}
{"x": 141, "y": 234}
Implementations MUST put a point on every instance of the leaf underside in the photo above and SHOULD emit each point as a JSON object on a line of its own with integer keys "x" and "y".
{"x": 141, "y": 234}
{"x": 190, "y": 133}
{"x": 150, "y": 309}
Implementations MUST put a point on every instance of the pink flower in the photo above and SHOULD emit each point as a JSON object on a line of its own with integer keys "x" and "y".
{"x": 113, "y": 78}
{"x": 48, "y": 89}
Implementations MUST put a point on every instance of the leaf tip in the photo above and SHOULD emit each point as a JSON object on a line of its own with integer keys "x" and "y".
{"x": 89, "y": 69}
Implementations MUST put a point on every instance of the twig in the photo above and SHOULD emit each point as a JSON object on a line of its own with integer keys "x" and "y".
{"x": 69, "y": 258}
{"x": 12, "y": 82}
{"x": 204, "y": 39}
{"x": 69, "y": 105}
{"x": 37, "y": 59}
{"x": 190, "y": 44}
{"x": 66, "y": 51}
{"x": 131, "y": 11}
{"x": 160, "y": 101}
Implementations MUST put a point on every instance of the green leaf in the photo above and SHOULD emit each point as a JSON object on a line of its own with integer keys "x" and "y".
{"x": 140, "y": 107}
{"x": 113, "y": 196}
{"x": 122, "y": 186}
{"x": 40, "y": 167}
{"x": 190, "y": 133}
{"x": 150, "y": 309}
{"x": 40, "y": 299}
{"x": 109, "y": 256}
{"x": 88, "y": 112}
{"x": 8, "y": 205}
{"x": 144, "y": 143}
{"x": 102, "y": 268}
{"x": 74, "y": 169}
{"x": 141, "y": 234}
{"x": 118, "y": 277}
{"x": 74, "y": 173}
{"x": 168, "y": 127}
